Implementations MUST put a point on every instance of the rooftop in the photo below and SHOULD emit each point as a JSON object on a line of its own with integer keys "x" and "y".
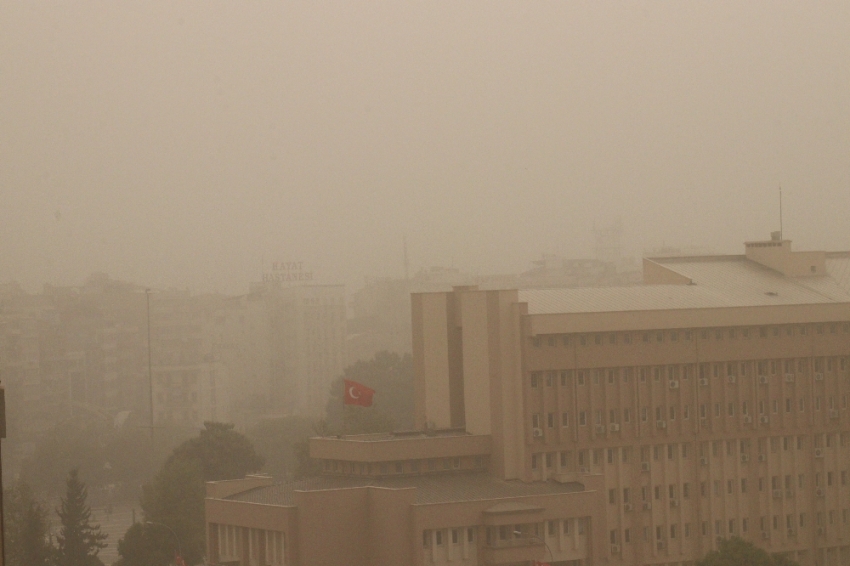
{"x": 717, "y": 281}
{"x": 473, "y": 486}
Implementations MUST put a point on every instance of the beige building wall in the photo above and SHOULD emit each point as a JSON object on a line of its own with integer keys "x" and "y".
{"x": 431, "y": 360}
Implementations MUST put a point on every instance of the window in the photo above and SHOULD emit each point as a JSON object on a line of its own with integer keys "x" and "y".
{"x": 550, "y": 420}
{"x": 565, "y": 419}
{"x": 426, "y": 538}
{"x": 438, "y": 537}
{"x": 535, "y": 420}
{"x": 454, "y": 536}
{"x": 612, "y": 496}
{"x": 470, "y": 534}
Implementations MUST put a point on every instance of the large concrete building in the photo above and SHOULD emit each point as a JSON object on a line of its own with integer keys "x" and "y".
{"x": 632, "y": 425}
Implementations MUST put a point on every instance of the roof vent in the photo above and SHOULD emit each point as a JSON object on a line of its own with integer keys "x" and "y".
{"x": 771, "y": 293}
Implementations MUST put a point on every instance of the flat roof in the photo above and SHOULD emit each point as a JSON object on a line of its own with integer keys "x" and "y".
{"x": 718, "y": 281}
{"x": 435, "y": 488}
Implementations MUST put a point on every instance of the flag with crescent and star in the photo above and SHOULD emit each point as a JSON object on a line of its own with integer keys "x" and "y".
{"x": 357, "y": 394}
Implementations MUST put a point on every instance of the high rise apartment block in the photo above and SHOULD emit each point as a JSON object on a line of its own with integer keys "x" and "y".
{"x": 624, "y": 426}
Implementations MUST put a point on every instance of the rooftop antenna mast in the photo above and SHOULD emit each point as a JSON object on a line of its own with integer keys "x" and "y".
{"x": 781, "y": 237}
{"x": 406, "y": 263}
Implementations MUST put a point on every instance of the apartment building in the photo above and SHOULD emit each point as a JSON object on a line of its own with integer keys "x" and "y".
{"x": 710, "y": 401}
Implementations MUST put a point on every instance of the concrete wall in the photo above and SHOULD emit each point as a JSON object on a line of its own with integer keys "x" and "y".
{"x": 431, "y": 360}
{"x": 333, "y": 527}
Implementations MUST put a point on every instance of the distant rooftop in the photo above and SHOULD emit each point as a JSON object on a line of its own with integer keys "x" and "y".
{"x": 715, "y": 281}
{"x": 473, "y": 486}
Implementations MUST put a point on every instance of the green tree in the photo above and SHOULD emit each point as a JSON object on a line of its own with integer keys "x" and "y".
{"x": 146, "y": 545}
{"x": 78, "y": 541}
{"x": 391, "y": 376}
{"x": 736, "y": 551}
{"x": 221, "y": 452}
{"x": 27, "y": 528}
{"x": 175, "y": 498}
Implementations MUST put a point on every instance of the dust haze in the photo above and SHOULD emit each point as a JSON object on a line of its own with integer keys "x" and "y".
{"x": 188, "y": 144}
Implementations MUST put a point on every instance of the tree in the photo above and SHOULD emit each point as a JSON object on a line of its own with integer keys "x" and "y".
{"x": 175, "y": 498}
{"x": 736, "y": 551}
{"x": 79, "y": 541}
{"x": 221, "y": 452}
{"x": 391, "y": 376}
{"x": 27, "y": 528}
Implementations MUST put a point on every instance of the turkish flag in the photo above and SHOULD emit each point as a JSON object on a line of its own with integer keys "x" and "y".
{"x": 357, "y": 394}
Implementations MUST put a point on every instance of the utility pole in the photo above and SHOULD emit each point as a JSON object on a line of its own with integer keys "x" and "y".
{"x": 150, "y": 371}
{"x": 2, "y": 435}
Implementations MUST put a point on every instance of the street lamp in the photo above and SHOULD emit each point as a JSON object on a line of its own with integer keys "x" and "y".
{"x": 177, "y": 540}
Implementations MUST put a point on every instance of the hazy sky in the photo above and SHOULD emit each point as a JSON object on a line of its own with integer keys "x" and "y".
{"x": 181, "y": 144}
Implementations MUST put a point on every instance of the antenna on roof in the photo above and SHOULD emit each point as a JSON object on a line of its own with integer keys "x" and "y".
{"x": 406, "y": 263}
{"x": 780, "y": 213}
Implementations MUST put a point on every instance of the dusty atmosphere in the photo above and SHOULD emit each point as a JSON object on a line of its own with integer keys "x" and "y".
{"x": 191, "y": 144}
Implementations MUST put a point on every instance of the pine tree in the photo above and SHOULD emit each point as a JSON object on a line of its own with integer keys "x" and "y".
{"x": 78, "y": 540}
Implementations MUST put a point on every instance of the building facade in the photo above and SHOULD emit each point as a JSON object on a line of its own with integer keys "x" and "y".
{"x": 709, "y": 402}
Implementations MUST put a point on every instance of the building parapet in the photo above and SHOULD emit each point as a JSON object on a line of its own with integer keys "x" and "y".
{"x": 388, "y": 448}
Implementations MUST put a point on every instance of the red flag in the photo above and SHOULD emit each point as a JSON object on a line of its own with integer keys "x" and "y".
{"x": 357, "y": 394}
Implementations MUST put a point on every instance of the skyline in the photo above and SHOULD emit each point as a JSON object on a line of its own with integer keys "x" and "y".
{"x": 183, "y": 144}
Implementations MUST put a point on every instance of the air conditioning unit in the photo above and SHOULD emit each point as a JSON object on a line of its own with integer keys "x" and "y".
{"x": 820, "y": 531}
{"x": 818, "y": 452}
{"x": 674, "y": 503}
{"x": 703, "y": 381}
{"x": 765, "y": 535}
{"x": 703, "y": 461}
{"x": 674, "y": 384}
{"x": 789, "y": 378}
{"x": 660, "y": 545}
{"x": 661, "y": 424}
{"x": 745, "y": 458}
{"x": 762, "y": 380}
{"x": 789, "y": 494}
{"x": 790, "y": 533}
{"x": 644, "y": 466}
{"x": 615, "y": 549}
{"x": 762, "y": 457}
{"x": 614, "y": 427}
{"x": 584, "y": 470}
{"x": 748, "y": 419}
{"x": 600, "y": 429}
{"x": 537, "y": 432}
{"x": 732, "y": 378}
{"x": 818, "y": 377}
{"x": 627, "y": 507}
{"x": 764, "y": 419}
{"x": 819, "y": 492}
{"x": 833, "y": 413}
{"x": 777, "y": 494}
{"x": 647, "y": 506}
